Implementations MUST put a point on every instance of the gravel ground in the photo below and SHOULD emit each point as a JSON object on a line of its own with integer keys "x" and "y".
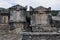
{"x": 8, "y": 36}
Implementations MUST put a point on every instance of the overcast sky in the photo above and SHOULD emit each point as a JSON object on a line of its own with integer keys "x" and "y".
{"x": 54, "y": 4}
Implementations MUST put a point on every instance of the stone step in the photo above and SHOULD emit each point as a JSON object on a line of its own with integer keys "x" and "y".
{"x": 39, "y": 33}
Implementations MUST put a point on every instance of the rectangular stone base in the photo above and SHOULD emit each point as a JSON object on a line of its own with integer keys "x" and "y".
{"x": 41, "y": 36}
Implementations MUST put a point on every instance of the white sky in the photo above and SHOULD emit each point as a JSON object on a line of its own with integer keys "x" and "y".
{"x": 54, "y": 4}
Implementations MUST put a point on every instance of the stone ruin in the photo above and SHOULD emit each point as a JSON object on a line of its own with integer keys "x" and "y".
{"x": 34, "y": 24}
{"x": 41, "y": 25}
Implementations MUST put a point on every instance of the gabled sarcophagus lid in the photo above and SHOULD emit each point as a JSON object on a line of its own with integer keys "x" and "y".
{"x": 18, "y": 7}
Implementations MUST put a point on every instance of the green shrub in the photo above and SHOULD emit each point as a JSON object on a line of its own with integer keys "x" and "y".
{"x": 54, "y": 13}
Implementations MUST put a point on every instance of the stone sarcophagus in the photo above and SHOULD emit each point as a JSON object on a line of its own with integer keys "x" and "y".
{"x": 17, "y": 17}
{"x": 4, "y": 19}
{"x": 39, "y": 19}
